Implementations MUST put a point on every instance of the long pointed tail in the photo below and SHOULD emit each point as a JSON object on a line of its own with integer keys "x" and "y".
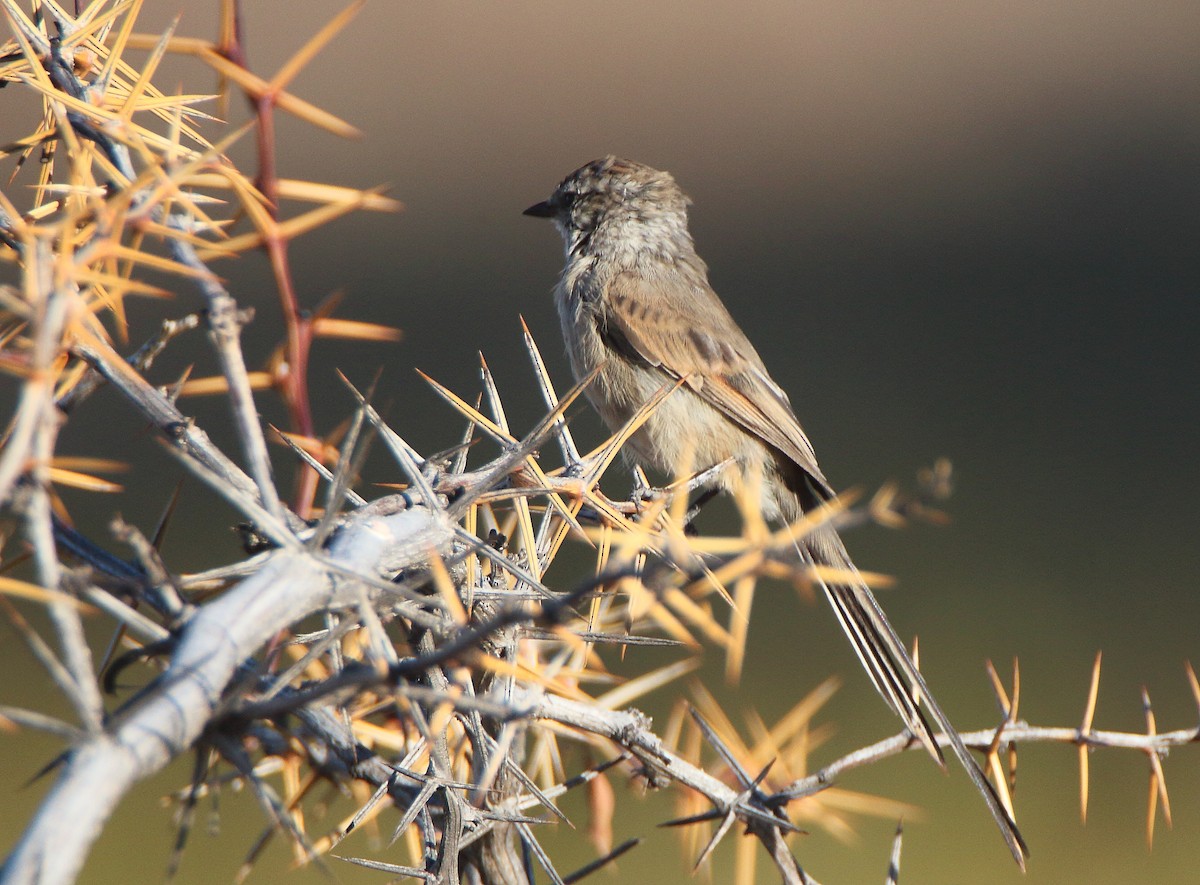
{"x": 894, "y": 674}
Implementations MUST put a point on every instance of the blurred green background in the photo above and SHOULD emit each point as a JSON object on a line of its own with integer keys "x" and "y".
{"x": 963, "y": 229}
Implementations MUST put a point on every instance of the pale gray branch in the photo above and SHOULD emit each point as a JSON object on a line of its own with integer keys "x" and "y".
{"x": 170, "y": 713}
{"x": 1016, "y": 733}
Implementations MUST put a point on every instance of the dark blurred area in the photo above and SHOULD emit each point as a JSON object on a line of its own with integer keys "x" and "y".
{"x": 965, "y": 230}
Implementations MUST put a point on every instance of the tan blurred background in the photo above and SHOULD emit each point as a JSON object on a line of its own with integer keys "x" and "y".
{"x": 964, "y": 229}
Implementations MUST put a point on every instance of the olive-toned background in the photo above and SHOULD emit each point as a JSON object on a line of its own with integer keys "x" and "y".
{"x": 964, "y": 229}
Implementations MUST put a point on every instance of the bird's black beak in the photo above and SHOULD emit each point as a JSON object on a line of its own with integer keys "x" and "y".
{"x": 540, "y": 210}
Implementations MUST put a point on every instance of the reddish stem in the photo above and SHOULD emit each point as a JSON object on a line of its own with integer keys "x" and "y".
{"x": 294, "y": 384}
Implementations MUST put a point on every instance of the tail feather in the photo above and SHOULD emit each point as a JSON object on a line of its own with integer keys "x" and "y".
{"x": 896, "y": 677}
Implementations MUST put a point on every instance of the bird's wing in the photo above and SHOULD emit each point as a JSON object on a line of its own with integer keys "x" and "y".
{"x": 680, "y": 326}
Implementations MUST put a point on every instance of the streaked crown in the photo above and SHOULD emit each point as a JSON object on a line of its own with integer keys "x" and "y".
{"x": 615, "y": 199}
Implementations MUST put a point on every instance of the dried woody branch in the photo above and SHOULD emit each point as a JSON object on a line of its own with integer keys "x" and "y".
{"x": 408, "y": 649}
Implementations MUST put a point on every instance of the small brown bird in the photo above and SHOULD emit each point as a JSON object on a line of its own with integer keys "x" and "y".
{"x": 634, "y": 300}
